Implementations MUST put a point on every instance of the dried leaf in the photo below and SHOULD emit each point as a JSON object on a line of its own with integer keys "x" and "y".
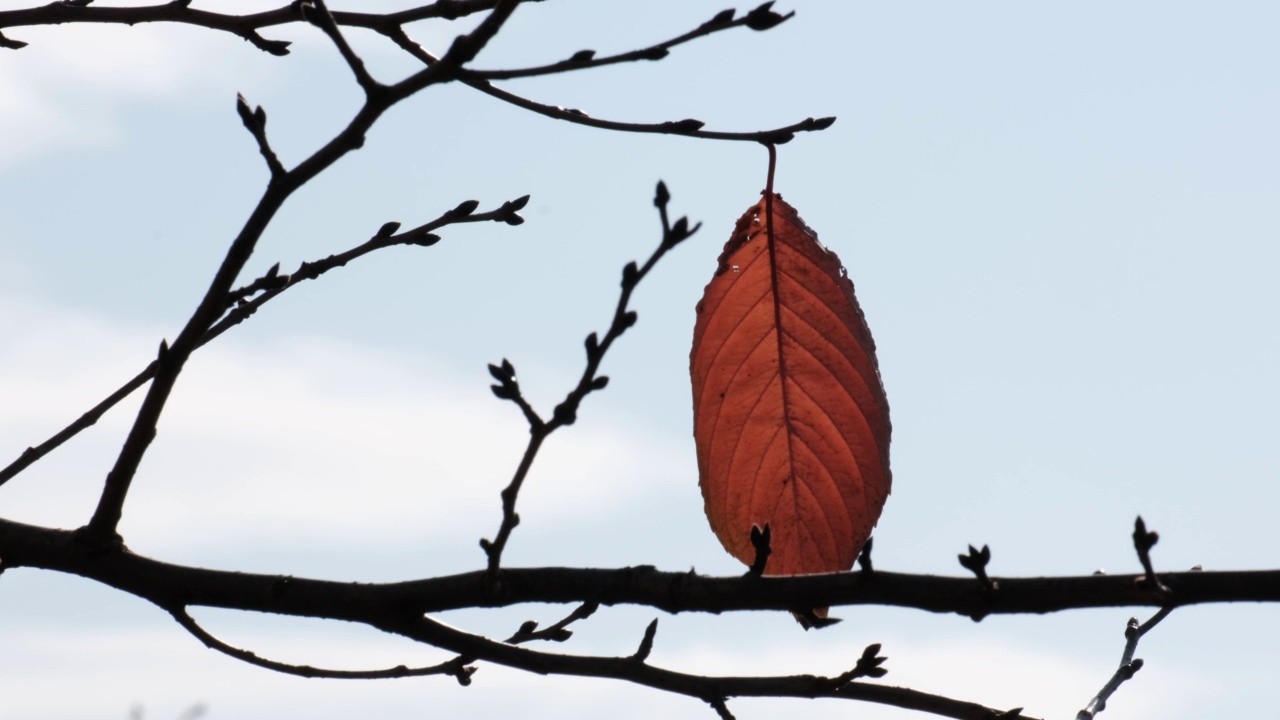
{"x": 790, "y": 417}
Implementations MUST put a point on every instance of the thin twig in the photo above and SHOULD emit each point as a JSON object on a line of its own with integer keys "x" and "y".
{"x": 270, "y": 286}
{"x": 1129, "y": 665}
{"x": 400, "y": 671}
{"x": 587, "y": 59}
{"x": 566, "y": 413}
{"x": 244, "y": 26}
{"x": 317, "y": 12}
{"x": 101, "y": 528}
{"x": 255, "y": 121}
{"x": 687, "y": 128}
{"x": 703, "y": 687}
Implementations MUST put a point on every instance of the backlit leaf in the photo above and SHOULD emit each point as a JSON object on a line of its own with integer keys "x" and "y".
{"x": 790, "y": 417}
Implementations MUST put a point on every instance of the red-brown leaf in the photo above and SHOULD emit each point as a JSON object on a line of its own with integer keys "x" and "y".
{"x": 789, "y": 414}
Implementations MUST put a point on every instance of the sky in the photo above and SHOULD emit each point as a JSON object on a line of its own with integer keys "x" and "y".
{"x": 1060, "y": 217}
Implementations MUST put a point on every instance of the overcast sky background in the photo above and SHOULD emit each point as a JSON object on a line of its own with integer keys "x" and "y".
{"x": 1061, "y": 219}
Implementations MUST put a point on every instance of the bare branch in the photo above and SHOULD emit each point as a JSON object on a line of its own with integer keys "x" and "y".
{"x": 1129, "y": 665}
{"x": 169, "y": 585}
{"x": 400, "y": 671}
{"x": 270, "y": 285}
{"x": 245, "y": 26}
{"x": 317, "y": 12}
{"x": 566, "y": 413}
{"x": 707, "y": 688}
{"x": 558, "y": 632}
{"x": 687, "y": 128}
{"x": 586, "y": 59}
{"x": 255, "y": 121}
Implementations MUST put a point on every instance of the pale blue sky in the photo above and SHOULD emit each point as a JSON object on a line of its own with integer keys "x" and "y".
{"x": 1061, "y": 219}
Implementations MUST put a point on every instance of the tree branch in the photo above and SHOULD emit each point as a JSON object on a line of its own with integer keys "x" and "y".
{"x": 169, "y": 585}
{"x": 400, "y": 671}
{"x": 101, "y": 529}
{"x": 708, "y": 688}
{"x": 1129, "y": 665}
{"x": 586, "y": 59}
{"x": 270, "y": 286}
{"x": 688, "y": 127}
{"x": 566, "y": 413}
{"x": 245, "y": 26}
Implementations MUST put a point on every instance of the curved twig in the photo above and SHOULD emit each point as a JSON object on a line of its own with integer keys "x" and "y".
{"x": 183, "y": 618}
{"x": 688, "y": 127}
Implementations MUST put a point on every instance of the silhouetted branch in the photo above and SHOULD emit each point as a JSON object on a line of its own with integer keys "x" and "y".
{"x": 710, "y": 689}
{"x": 255, "y": 121}
{"x": 101, "y": 528}
{"x": 317, "y": 13}
{"x": 169, "y": 585}
{"x": 245, "y": 26}
{"x": 586, "y": 59}
{"x": 400, "y": 671}
{"x": 566, "y": 413}
{"x": 558, "y": 632}
{"x": 271, "y": 285}
{"x": 688, "y": 127}
{"x": 1129, "y": 665}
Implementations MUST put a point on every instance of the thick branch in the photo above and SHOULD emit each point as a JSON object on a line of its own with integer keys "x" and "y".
{"x": 169, "y": 585}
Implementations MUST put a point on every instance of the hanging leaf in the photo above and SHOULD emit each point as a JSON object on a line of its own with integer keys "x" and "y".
{"x": 789, "y": 414}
